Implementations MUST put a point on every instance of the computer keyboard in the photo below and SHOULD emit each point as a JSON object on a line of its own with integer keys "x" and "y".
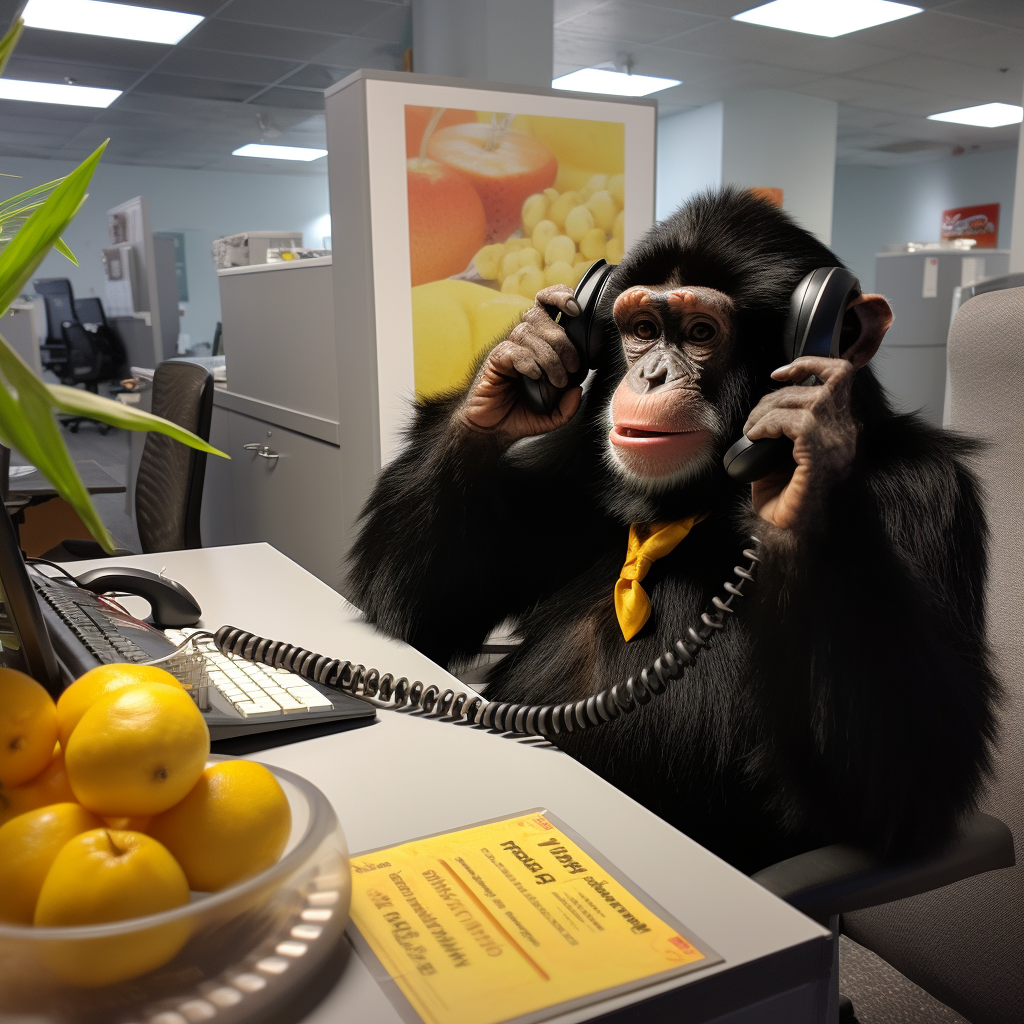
{"x": 254, "y": 689}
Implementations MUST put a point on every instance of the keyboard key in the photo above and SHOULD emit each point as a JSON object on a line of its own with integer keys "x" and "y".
{"x": 250, "y": 708}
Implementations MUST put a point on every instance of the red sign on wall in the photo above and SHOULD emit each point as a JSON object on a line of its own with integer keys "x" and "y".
{"x": 978, "y": 222}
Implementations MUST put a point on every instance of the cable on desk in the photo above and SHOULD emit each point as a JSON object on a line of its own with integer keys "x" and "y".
{"x": 525, "y": 719}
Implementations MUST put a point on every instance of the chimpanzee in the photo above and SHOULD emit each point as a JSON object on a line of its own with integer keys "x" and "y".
{"x": 849, "y": 699}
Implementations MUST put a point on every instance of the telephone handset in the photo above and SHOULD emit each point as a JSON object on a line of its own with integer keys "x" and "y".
{"x": 584, "y": 331}
{"x": 815, "y": 323}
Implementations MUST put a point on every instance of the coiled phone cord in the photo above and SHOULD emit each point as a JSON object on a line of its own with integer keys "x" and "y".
{"x": 526, "y": 719}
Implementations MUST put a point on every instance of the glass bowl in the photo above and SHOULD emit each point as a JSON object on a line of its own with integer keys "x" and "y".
{"x": 214, "y": 959}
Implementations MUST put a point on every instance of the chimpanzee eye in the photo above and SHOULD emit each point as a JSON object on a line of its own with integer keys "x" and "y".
{"x": 646, "y": 330}
{"x": 702, "y": 331}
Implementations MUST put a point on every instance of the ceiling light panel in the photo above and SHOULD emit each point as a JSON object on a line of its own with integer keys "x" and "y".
{"x": 117, "y": 21}
{"x": 613, "y": 83}
{"x": 985, "y": 115}
{"x": 828, "y": 18}
{"x": 48, "y": 92}
{"x": 278, "y": 152}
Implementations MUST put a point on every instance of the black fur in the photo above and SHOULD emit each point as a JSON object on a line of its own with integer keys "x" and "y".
{"x": 850, "y": 700}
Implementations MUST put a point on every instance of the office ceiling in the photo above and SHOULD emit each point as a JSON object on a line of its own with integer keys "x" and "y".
{"x": 254, "y": 70}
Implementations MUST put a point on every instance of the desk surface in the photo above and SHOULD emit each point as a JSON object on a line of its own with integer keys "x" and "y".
{"x": 406, "y": 776}
{"x": 96, "y": 479}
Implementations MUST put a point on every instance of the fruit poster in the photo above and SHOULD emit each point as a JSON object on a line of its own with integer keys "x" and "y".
{"x": 479, "y": 199}
{"x": 978, "y": 222}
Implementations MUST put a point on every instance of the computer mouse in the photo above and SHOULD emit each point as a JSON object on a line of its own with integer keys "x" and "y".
{"x": 172, "y": 604}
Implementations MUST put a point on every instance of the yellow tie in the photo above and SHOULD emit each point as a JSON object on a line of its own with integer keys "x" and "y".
{"x": 632, "y": 606}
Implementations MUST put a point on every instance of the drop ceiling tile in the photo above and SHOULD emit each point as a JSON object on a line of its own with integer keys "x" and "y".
{"x": 31, "y": 69}
{"x": 203, "y": 88}
{"x": 261, "y": 40}
{"x": 299, "y": 99}
{"x": 669, "y": 63}
{"x": 583, "y": 49}
{"x": 340, "y": 16}
{"x": 118, "y": 53}
{"x": 737, "y": 41}
{"x": 47, "y": 111}
{"x": 636, "y": 22}
{"x": 231, "y": 67}
{"x": 929, "y": 32}
{"x": 117, "y": 116}
{"x": 203, "y": 7}
{"x": 996, "y": 12}
{"x": 568, "y": 9}
{"x": 361, "y": 52}
{"x": 716, "y": 8}
{"x": 882, "y": 96}
{"x": 317, "y": 76}
{"x": 1001, "y": 49}
{"x": 924, "y": 72}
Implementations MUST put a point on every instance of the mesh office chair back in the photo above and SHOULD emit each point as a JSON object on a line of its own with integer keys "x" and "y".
{"x": 169, "y": 483}
{"x": 964, "y": 942}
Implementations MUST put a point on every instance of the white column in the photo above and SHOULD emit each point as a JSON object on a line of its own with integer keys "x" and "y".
{"x": 1017, "y": 236}
{"x": 493, "y": 40}
{"x": 764, "y": 137}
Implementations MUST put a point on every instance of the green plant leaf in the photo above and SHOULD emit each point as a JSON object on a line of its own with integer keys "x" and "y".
{"x": 117, "y": 414}
{"x": 61, "y": 246}
{"x": 20, "y": 257}
{"x": 9, "y": 42}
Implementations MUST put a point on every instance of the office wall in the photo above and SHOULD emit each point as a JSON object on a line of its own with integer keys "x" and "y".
{"x": 204, "y": 205}
{"x": 689, "y": 155}
{"x": 875, "y": 205}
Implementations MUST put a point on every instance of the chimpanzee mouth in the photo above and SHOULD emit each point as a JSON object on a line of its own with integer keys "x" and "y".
{"x": 637, "y": 432}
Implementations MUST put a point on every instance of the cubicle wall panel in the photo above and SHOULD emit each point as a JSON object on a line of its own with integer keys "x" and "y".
{"x": 288, "y": 495}
{"x": 217, "y": 520}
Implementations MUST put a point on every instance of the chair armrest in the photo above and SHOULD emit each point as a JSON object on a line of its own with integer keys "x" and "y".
{"x": 839, "y": 879}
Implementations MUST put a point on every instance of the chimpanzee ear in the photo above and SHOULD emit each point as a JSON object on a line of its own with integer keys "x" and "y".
{"x": 867, "y": 319}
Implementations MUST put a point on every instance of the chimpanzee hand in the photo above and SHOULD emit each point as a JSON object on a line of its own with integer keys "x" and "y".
{"x": 824, "y": 435}
{"x": 493, "y": 404}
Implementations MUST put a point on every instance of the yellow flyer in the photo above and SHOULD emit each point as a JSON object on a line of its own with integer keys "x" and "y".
{"x": 509, "y": 920}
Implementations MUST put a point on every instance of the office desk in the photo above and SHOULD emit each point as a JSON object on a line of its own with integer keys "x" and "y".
{"x": 406, "y": 776}
{"x": 96, "y": 479}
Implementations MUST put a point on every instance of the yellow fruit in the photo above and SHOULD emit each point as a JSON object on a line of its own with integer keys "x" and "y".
{"x": 510, "y": 286}
{"x": 530, "y": 258}
{"x": 583, "y": 148}
{"x": 96, "y": 683}
{"x": 617, "y": 188}
{"x": 592, "y": 245}
{"x": 50, "y": 786}
{"x": 560, "y": 272}
{"x": 234, "y": 824}
{"x": 28, "y": 727}
{"x": 509, "y": 265}
{"x": 137, "y": 824}
{"x": 560, "y": 208}
{"x": 543, "y": 233}
{"x": 535, "y": 209}
{"x": 597, "y": 183}
{"x": 531, "y": 280}
{"x": 560, "y": 249}
{"x": 604, "y": 209}
{"x": 487, "y": 261}
{"x": 550, "y": 194}
{"x": 614, "y": 250}
{"x": 578, "y": 221}
{"x": 28, "y": 845}
{"x": 619, "y": 227}
{"x": 137, "y": 751}
{"x": 516, "y": 244}
{"x": 452, "y": 322}
{"x": 108, "y": 875}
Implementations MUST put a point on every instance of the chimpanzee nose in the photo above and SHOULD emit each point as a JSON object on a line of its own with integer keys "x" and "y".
{"x": 659, "y": 368}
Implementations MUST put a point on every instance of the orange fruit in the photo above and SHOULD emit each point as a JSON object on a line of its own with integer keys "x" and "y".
{"x": 234, "y": 824}
{"x": 29, "y": 844}
{"x": 107, "y": 875}
{"x": 50, "y": 786}
{"x": 28, "y": 727}
{"x": 87, "y": 689}
{"x": 417, "y": 119}
{"x": 446, "y": 221}
{"x": 505, "y": 168}
{"x": 137, "y": 751}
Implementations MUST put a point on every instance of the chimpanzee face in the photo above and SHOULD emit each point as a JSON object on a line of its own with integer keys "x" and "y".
{"x": 677, "y": 343}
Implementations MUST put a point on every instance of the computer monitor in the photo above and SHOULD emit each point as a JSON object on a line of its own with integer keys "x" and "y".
{"x": 24, "y": 642}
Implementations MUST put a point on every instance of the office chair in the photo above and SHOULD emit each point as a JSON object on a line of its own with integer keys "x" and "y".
{"x": 169, "y": 483}
{"x": 74, "y": 352}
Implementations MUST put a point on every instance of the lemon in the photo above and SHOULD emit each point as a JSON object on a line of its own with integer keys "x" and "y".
{"x": 50, "y": 786}
{"x": 28, "y": 727}
{"x": 28, "y": 845}
{"x": 137, "y": 751}
{"x": 234, "y": 824}
{"x": 108, "y": 875}
{"x": 87, "y": 689}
